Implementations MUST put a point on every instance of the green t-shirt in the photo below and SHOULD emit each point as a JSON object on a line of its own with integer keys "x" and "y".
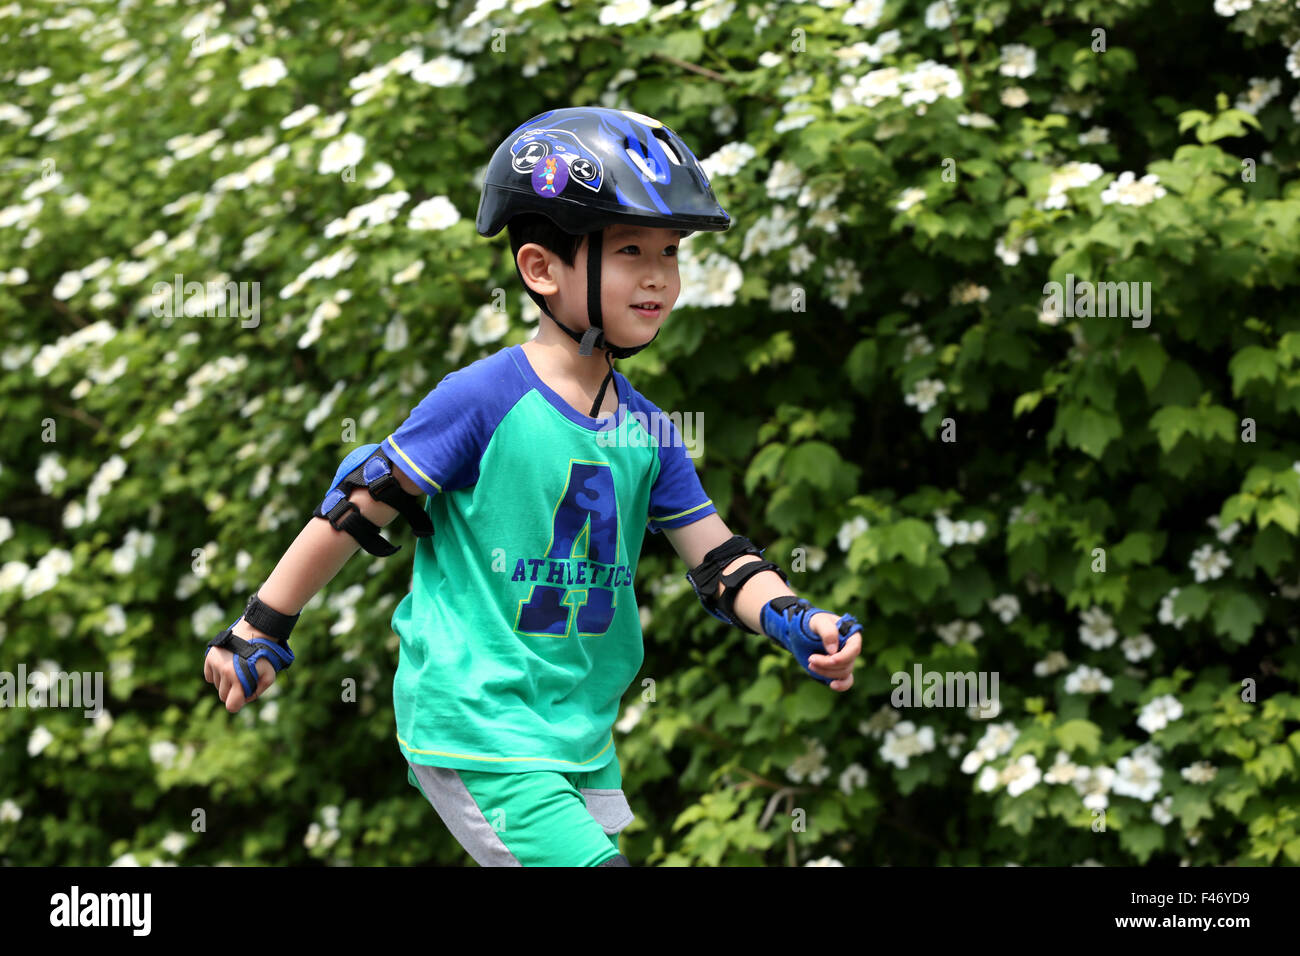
{"x": 521, "y": 631}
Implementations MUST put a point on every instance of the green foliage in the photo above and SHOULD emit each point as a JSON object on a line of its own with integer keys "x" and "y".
{"x": 930, "y": 434}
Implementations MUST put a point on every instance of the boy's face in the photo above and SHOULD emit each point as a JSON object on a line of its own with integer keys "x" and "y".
{"x": 638, "y": 264}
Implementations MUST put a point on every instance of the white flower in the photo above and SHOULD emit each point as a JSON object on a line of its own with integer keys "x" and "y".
{"x": 1009, "y": 251}
{"x": 810, "y": 765}
{"x": 38, "y": 741}
{"x": 1021, "y": 774}
{"x": 1230, "y": 8}
{"x": 267, "y": 73}
{"x": 906, "y": 741}
{"x": 953, "y": 743}
{"x": 1138, "y": 647}
{"x": 728, "y": 160}
{"x": 880, "y": 722}
{"x": 330, "y": 816}
{"x": 955, "y": 631}
{"x": 622, "y": 12}
{"x": 342, "y": 153}
{"x": 444, "y": 71}
{"x": 850, "y": 530}
{"x": 1087, "y": 680}
{"x": 126, "y": 859}
{"x": 631, "y": 717}
{"x": 1223, "y": 534}
{"x": 1209, "y": 563}
{"x": 1129, "y": 193}
{"x": 1160, "y": 811}
{"x": 1200, "y": 772}
{"x": 10, "y": 812}
{"x": 300, "y": 116}
{"x": 824, "y": 861}
{"x": 1069, "y": 176}
{"x": 173, "y": 842}
{"x": 1166, "y": 615}
{"x": 1097, "y": 631}
{"x": 909, "y": 198}
{"x": 864, "y": 13}
{"x": 937, "y": 16}
{"x": 434, "y": 213}
{"x": 1062, "y": 769}
{"x": 977, "y": 120}
{"x": 1137, "y": 777}
{"x": 997, "y": 740}
{"x": 69, "y": 284}
{"x": 1006, "y": 607}
{"x": 925, "y": 394}
{"x": 1014, "y": 97}
{"x": 1018, "y": 60}
{"x": 928, "y": 81}
{"x": 1093, "y": 784}
{"x": 1258, "y": 95}
{"x": 1159, "y": 712}
{"x": 488, "y": 325}
{"x": 853, "y": 777}
{"x": 1097, "y": 136}
{"x": 163, "y": 752}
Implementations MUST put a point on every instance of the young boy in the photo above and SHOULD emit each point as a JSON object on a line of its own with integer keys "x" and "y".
{"x": 529, "y": 486}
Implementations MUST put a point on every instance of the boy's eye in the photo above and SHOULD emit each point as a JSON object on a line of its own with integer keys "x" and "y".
{"x": 626, "y": 248}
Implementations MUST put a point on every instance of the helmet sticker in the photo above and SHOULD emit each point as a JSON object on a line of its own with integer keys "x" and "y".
{"x": 550, "y": 176}
{"x": 533, "y": 150}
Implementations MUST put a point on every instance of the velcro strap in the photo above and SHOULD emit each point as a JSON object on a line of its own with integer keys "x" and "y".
{"x": 268, "y": 620}
{"x": 346, "y": 516}
{"x": 248, "y": 653}
{"x": 733, "y": 582}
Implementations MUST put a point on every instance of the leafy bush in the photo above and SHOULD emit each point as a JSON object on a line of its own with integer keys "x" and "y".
{"x": 989, "y": 480}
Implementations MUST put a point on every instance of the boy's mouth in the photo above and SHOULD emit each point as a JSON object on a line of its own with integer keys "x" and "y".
{"x": 648, "y": 309}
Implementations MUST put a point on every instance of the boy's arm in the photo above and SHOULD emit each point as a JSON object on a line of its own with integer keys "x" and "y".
{"x": 317, "y": 554}
{"x": 698, "y": 538}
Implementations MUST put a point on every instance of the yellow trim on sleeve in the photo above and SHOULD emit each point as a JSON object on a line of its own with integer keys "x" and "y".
{"x": 682, "y": 514}
{"x": 414, "y": 466}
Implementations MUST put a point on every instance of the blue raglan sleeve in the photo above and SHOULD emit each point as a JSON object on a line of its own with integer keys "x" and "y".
{"x": 440, "y": 443}
{"x": 677, "y": 498}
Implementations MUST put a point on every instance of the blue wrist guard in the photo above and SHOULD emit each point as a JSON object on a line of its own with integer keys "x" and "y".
{"x": 248, "y": 653}
{"x": 785, "y": 620}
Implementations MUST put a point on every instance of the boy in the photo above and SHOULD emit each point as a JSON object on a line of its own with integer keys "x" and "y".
{"x": 521, "y": 632}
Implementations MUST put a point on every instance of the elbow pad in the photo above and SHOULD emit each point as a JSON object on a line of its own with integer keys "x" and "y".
{"x": 704, "y": 578}
{"x": 368, "y": 467}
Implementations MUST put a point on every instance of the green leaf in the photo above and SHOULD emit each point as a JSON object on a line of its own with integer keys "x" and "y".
{"x": 1079, "y": 734}
{"x": 1278, "y": 511}
{"x": 1088, "y": 429}
{"x": 764, "y": 692}
{"x": 1237, "y": 616}
{"x": 1250, "y": 363}
{"x": 811, "y": 701}
{"x": 1146, "y": 355}
{"x": 1142, "y": 839}
{"x": 909, "y": 538}
{"x": 814, "y": 463}
{"x": 1171, "y": 423}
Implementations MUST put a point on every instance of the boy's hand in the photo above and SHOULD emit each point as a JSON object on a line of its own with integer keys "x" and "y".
{"x": 834, "y": 664}
{"x": 219, "y": 669}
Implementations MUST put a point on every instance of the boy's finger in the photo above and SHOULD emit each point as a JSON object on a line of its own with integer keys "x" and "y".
{"x": 847, "y": 654}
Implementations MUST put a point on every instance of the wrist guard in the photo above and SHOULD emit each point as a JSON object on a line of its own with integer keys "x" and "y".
{"x": 704, "y": 578}
{"x": 786, "y": 619}
{"x": 248, "y": 653}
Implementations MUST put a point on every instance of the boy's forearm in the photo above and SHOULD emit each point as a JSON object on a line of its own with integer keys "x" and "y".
{"x": 756, "y": 592}
{"x": 315, "y": 556}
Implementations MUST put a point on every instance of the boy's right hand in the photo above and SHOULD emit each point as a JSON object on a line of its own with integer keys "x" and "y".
{"x": 219, "y": 669}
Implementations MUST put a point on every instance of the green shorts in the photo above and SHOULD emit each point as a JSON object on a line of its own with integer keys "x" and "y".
{"x": 534, "y": 818}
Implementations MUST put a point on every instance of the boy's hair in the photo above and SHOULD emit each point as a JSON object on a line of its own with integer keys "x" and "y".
{"x": 534, "y": 227}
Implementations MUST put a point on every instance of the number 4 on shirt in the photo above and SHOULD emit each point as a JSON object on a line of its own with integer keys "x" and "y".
{"x": 587, "y": 512}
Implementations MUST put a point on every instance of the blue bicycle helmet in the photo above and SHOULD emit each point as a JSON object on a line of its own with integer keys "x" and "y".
{"x": 588, "y": 168}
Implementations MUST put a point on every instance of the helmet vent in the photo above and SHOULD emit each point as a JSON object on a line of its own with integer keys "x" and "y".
{"x": 663, "y": 138}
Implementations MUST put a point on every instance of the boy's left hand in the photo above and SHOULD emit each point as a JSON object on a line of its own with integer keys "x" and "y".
{"x": 834, "y": 664}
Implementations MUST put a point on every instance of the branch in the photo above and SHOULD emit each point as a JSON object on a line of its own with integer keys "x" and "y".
{"x": 965, "y": 67}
